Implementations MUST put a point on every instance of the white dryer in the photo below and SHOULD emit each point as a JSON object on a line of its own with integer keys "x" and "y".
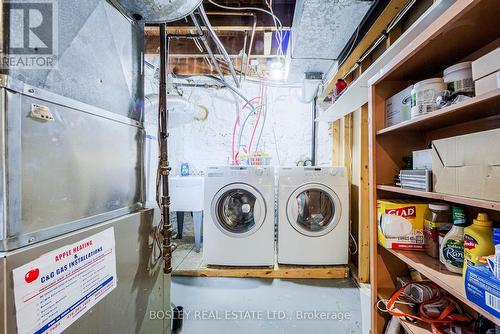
{"x": 239, "y": 216}
{"x": 313, "y": 221}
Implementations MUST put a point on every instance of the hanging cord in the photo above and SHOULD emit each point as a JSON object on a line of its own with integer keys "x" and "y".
{"x": 352, "y": 252}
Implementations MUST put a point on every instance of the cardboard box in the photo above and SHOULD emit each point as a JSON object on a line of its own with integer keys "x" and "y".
{"x": 422, "y": 159}
{"x": 398, "y": 107}
{"x": 401, "y": 224}
{"x": 486, "y": 65}
{"x": 468, "y": 165}
{"x": 483, "y": 289}
{"x": 488, "y": 83}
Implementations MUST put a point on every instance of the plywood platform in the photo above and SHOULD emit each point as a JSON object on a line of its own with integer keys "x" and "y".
{"x": 278, "y": 271}
{"x": 189, "y": 263}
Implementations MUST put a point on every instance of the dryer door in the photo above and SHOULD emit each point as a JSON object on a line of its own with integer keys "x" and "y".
{"x": 314, "y": 209}
{"x": 238, "y": 210}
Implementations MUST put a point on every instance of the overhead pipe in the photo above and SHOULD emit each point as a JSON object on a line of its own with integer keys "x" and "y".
{"x": 219, "y": 44}
{"x": 252, "y": 36}
{"x": 207, "y": 46}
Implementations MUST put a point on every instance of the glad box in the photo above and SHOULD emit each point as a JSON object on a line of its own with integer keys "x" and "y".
{"x": 401, "y": 224}
{"x": 468, "y": 165}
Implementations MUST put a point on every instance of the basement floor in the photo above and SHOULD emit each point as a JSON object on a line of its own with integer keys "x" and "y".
{"x": 248, "y": 305}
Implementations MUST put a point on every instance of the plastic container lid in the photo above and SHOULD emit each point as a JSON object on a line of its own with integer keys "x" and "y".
{"x": 483, "y": 220}
{"x": 458, "y": 67}
{"x": 429, "y": 82}
{"x": 439, "y": 206}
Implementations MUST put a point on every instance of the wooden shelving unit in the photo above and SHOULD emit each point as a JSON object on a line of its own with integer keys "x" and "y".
{"x": 465, "y": 31}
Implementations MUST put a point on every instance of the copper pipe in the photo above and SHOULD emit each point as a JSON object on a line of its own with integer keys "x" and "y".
{"x": 164, "y": 168}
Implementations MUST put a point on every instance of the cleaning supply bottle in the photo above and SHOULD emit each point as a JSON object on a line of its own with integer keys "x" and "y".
{"x": 478, "y": 241}
{"x": 452, "y": 246}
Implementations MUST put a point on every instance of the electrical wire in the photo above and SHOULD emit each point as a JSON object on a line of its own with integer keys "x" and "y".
{"x": 236, "y": 123}
{"x": 352, "y": 47}
{"x": 244, "y": 124}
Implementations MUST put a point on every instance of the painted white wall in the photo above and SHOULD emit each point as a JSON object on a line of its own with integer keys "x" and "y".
{"x": 286, "y": 135}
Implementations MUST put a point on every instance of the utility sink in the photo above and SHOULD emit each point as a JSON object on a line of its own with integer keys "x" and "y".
{"x": 186, "y": 193}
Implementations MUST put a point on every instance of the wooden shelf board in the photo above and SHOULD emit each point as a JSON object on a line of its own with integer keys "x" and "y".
{"x": 481, "y": 106}
{"x": 491, "y": 205}
{"x": 410, "y": 327}
{"x": 435, "y": 271}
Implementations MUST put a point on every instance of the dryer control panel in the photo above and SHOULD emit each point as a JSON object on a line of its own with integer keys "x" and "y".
{"x": 327, "y": 171}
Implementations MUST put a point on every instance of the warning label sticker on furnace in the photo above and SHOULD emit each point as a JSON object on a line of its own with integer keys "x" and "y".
{"x": 56, "y": 289}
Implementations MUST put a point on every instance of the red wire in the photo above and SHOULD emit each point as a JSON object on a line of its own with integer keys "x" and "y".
{"x": 236, "y": 122}
{"x": 258, "y": 117}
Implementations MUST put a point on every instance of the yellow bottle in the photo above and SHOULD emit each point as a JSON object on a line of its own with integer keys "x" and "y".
{"x": 478, "y": 241}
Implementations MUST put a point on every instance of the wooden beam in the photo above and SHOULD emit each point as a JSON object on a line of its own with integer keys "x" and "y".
{"x": 364, "y": 202}
{"x": 155, "y": 31}
{"x": 279, "y": 271}
{"x": 394, "y": 34}
{"x": 387, "y": 15}
{"x": 347, "y": 145}
{"x": 336, "y": 147}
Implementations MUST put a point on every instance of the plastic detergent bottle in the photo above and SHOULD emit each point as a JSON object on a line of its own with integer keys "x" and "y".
{"x": 452, "y": 247}
{"x": 478, "y": 241}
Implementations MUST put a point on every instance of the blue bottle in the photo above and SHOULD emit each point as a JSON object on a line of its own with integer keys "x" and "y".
{"x": 184, "y": 169}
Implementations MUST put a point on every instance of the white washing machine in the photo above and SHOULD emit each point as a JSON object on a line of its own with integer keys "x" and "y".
{"x": 313, "y": 226}
{"x": 239, "y": 216}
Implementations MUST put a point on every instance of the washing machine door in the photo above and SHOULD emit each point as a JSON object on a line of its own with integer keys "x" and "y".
{"x": 314, "y": 209}
{"x": 238, "y": 210}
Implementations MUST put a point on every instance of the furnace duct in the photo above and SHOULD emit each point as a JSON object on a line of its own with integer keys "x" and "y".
{"x": 158, "y": 11}
{"x": 180, "y": 110}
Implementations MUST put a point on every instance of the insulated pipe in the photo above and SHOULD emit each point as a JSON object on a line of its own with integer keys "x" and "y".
{"x": 219, "y": 44}
{"x": 254, "y": 28}
{"x": 207, "y": 46}
{"x": 163, "y": 168}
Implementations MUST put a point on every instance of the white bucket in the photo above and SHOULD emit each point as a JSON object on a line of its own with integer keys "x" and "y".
{"x": 424, "y": 96}
{"x": 458, "y": 78}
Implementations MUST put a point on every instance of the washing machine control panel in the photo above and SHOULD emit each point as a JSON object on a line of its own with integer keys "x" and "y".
{"x": 243, "y": 171}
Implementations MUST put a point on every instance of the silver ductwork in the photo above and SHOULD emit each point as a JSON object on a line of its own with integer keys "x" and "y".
{"x": 159, "y": 11}
{"x": 320, "y": 31}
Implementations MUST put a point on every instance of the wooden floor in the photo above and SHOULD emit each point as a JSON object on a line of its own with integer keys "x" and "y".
{"x": 186, "y": 262}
